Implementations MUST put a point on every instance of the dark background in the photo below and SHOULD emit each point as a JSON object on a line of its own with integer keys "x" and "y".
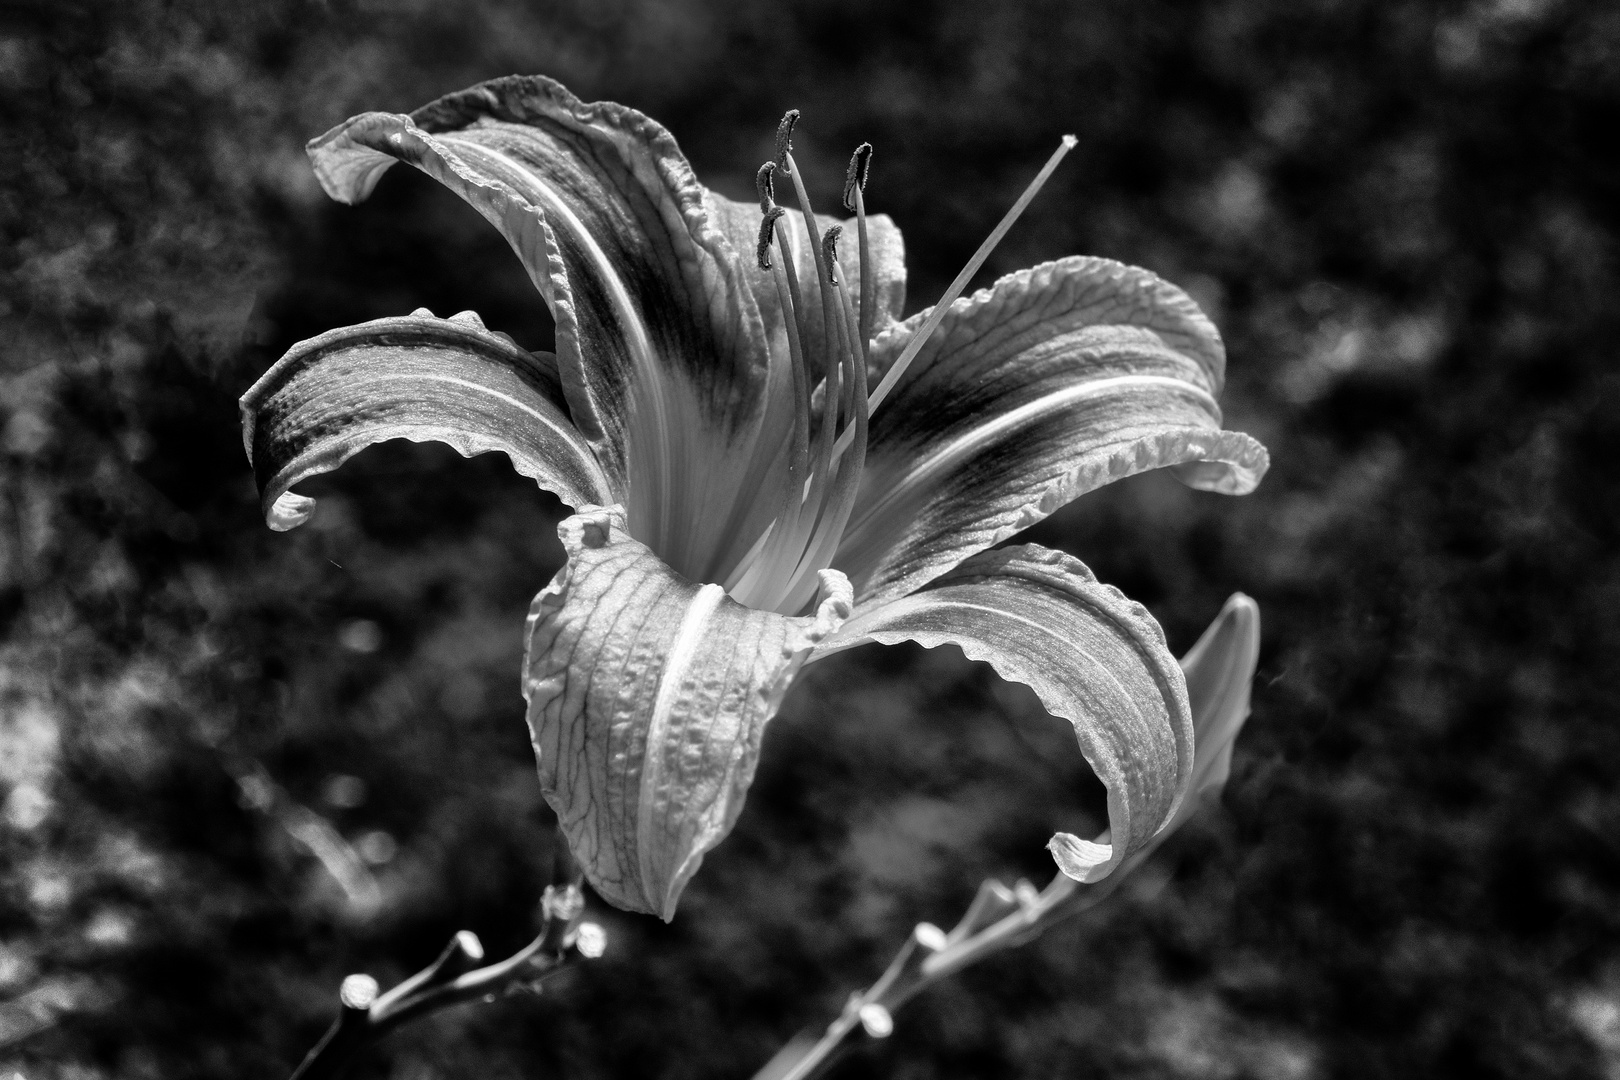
{"x": 1397, "y": 215}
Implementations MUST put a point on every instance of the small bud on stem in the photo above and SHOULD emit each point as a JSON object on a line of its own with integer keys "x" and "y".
{"x": 358, "y": 992}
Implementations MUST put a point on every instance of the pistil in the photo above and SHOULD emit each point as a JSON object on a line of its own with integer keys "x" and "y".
{"x": 918, "y": 340}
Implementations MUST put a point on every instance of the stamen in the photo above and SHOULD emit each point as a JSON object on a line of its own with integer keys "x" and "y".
{"x": 860, "y": 164}
{"x": 921, "y": 337}
{"x": 832, "y": 365}
{"x": 787, "y": 291}
{"x": 786, "y": 287}
{"x": 766, "y": 186}
{"x": 767, "y": 228}
{"x": 778, "y": 569}
{"x": 782, "y": 543}
{"x": 828, "y": 360}
{"x": 839, "y": 502}
{"x": 826, "y": 439}
{"x": 784, "y": 140}
{"x": 829, "y": 250}
{"x": 854, "y": 198}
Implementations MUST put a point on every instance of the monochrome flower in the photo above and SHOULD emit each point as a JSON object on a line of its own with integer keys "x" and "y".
{"x": 767, "y": 465}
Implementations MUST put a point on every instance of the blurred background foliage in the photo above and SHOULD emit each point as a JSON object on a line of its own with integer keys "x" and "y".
{"x": 236, "y": 765}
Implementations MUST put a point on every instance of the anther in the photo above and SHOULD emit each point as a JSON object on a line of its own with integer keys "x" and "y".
{"x": 784, "y": 139}
{"x": 767, "y": 231}
{"x": 860, "y": 165}
{"x": 829, "y": 250}
{"x": 766, "y": 186}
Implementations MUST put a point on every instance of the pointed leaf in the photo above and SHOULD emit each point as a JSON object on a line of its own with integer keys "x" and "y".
{"x": 660, "y": 344}
{"x": 1055, "y": 381}
{"x": 1220, "y": 671}
{"x": 1220, "y": 674}
{"x": 1094, "y": 658}
{"x": 414, "y": 377}
{"x": 647, "y": 698}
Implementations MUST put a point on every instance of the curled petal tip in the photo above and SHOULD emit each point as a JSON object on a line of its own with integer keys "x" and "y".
{"x": 289, "y": 511}
{"x": 1117, "y": 684}
{"x": 1084, "y": 860}
{"x": 835, "y": 601}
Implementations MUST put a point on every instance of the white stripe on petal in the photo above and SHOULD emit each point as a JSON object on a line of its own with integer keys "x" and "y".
{"x": 683, "y": 650}
{"x": 939, "y": 461}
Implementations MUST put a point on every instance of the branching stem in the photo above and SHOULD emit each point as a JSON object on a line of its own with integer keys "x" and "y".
{"x": 998, "y": 918}
{"x": 367, "y": 1015}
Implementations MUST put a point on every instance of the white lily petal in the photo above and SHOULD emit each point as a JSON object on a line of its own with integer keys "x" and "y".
{"x": 1054, "y": 381}
{"x": 1093, "y": 657}
{"x": 660, "y": 344}
{"x": 413, "y": 377}
{"x": 647, "y": 698}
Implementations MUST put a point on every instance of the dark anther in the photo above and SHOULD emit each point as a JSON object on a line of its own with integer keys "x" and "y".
{"x": 784, "y": 139}
{"x": 829, "y": 249}
{"x": 767, "y": 230}
{"x": 766, "y": 186}
{"x": 860, "y": 165}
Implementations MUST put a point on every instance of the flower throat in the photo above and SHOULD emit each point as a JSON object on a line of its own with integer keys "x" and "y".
{"x": 827, "y": 455}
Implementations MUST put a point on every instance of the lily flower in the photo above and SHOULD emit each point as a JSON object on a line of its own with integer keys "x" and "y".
{"x": 767, "y": 464}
